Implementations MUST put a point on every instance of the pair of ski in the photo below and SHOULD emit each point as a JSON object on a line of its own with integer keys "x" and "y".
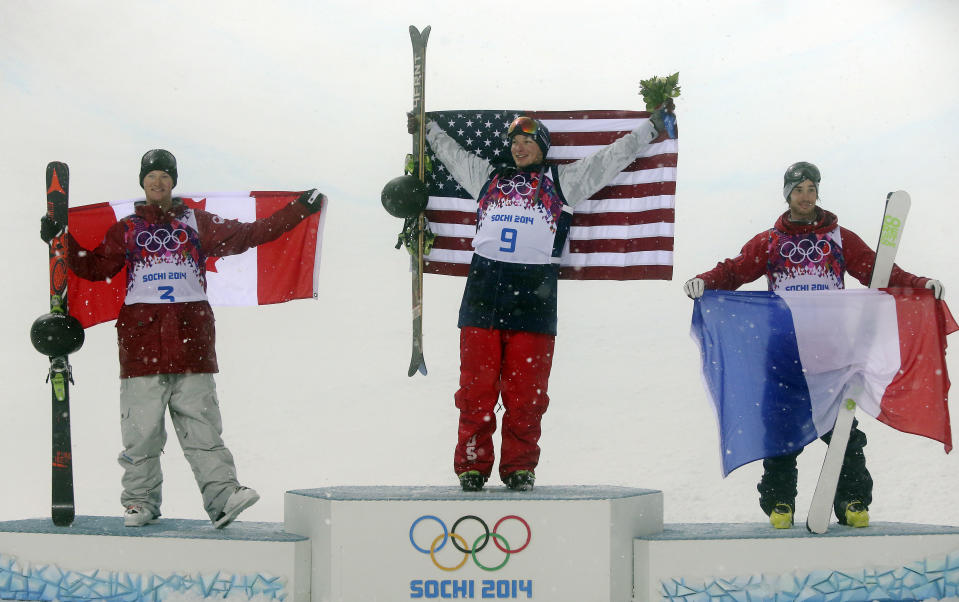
{"x": 419, "y": 39}
{"x": 51, "y": 337}
{"x": 820, "y": 509}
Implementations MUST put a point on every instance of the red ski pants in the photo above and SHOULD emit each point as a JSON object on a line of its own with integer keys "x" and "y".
{"x": 515, "y": 364}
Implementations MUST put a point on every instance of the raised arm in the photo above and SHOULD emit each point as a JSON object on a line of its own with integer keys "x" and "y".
{"x": 581, "y": 179}
{"x": 470, "y": 170}
{"x": 221, "y": 237}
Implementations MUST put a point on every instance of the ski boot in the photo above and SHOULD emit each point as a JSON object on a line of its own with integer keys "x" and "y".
{"x": 137, "y": 516}
{"x": 782, "y": 516}
{"x": 856, "y": 514}
{"x": 521, "y": 480}
{"x": 241, "y": 499}
{"x": 472, "y": 480}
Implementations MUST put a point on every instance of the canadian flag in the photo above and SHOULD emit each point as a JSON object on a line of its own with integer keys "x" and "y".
{"x": 281, "y": 270}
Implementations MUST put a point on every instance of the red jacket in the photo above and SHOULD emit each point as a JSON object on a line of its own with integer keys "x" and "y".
{"x": 752, "y": 261}
{"x": 174, "y": 338}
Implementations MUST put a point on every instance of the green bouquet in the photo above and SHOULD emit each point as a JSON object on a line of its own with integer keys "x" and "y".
{"x": 657, "y": 90}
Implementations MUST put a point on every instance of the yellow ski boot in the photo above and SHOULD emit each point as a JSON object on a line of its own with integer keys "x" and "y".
{"x": 856, "y": 514}
{"x": 782, "y": 516}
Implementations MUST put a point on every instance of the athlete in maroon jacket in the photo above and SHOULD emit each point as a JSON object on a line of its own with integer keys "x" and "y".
{"x": 807, "y": 250}
{"x": 166, "y": 335}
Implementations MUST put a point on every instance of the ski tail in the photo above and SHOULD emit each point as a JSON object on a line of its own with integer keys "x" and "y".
{"x": 890, "y": 235}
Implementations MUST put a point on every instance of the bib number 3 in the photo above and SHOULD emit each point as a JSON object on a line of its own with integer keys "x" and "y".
{"x": 167, "y": 293}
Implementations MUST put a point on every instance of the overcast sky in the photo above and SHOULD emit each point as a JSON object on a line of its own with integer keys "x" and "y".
{"x": 292, "y": 95}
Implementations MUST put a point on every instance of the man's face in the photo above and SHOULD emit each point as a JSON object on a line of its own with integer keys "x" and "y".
{"x": 802, "y": 201}
{"x": 525, "y": 151}
{"x": 158, "y": 186}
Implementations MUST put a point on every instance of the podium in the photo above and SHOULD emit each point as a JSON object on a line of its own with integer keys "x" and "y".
{"x": 401, "y": 543}
{"x": 555, "y": 544}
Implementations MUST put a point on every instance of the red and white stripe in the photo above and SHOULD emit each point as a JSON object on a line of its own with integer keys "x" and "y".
{"x": 623, "y": 232}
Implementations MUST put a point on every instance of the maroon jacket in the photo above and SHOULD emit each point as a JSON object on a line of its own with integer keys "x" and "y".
{"x": 174, "y": 338}
{"x": 752, "y": 261}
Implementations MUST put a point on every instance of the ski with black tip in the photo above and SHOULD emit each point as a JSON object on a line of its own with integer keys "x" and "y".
{"x": 60, "y": 377}
{"x": 419, "y": 39}
{"x": 821, "y": 507}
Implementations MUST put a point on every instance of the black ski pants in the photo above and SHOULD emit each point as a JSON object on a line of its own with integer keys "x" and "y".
{"x": 778, "y": 483}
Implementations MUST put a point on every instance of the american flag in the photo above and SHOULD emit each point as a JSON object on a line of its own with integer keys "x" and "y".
{"x": 623, "y": 232}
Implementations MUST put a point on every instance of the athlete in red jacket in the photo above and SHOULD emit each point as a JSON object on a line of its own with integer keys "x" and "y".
{"x": 807, "y": 250}
{"x": 166, "y": 335}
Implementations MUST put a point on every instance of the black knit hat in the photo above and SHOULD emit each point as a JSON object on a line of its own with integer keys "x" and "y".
{"x": 158, "y": 159}
{"x": 533, "y": 128}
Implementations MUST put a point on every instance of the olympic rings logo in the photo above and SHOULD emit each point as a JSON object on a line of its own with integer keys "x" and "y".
{"x": 162, "y": 239}
{"x": 517, "y": 183}
{"x": 805, "y": 249}
{"x": 460, "y": 543}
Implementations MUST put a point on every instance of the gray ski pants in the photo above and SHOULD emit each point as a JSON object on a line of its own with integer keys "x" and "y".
{"x": 195, "y": 413}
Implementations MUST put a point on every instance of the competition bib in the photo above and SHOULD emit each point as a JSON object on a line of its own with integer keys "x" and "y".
{"x": 516, "y": 225}
{"x": 808, "y": 262}
{"x": 164, "y": 262}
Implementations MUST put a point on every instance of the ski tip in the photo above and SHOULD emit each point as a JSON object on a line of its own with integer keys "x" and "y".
{"x": 420, "y": 36}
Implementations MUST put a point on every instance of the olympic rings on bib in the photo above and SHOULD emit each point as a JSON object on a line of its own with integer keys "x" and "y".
{"x": 460, "y": 543}
{"x": 161, "y": 238}
{"x": 805, "y": 249}
{"x": 517, "y": 183}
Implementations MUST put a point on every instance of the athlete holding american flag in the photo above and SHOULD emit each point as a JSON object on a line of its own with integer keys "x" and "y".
{"x": 507, "y": 317}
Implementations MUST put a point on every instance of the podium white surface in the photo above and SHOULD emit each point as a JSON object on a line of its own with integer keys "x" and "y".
{"x": 387, "y": 543}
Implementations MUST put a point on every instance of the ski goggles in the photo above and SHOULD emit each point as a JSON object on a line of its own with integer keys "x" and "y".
{"x": 523, "y": 125}
{"x": 798, "y": 172}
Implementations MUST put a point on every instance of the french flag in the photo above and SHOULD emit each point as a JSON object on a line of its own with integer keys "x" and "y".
{"x": 776, "y": 365}
{"x": 278, "y": 271}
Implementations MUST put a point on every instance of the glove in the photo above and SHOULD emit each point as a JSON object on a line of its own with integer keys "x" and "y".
{"x": 312, "y": 199}
{"x": 938, "y": 290}
{"x": 694, "y": 288}
{"x": 664, "y": 120}
{"x": 49, "y": 229}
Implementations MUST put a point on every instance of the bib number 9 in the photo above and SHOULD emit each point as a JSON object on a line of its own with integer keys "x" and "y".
{"x": 508, "y": 236}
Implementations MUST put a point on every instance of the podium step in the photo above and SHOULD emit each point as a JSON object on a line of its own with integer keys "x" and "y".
{"x": 885, "y": 561}
{"x": 401, "y": 543}
{"x": 97, "y": 558}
